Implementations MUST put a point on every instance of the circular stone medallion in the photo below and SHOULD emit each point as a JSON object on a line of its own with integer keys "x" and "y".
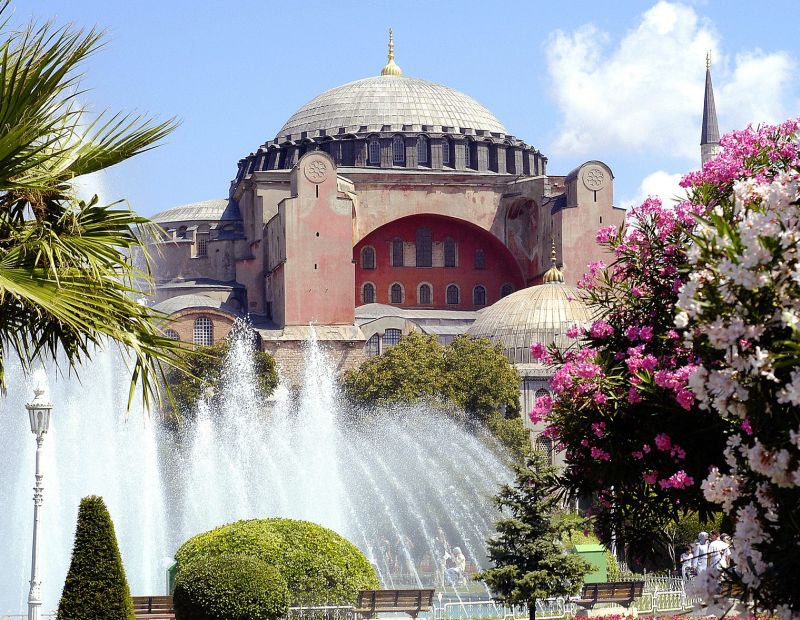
{"x": 594, "y": 178}
{"x": 316, "y": 170}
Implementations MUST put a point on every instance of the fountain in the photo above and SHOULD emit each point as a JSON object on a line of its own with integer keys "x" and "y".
{"x": 387, "y": 481}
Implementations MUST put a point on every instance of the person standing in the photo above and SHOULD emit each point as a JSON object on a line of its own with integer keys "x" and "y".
{"x": 687, "y": 558}
{"x": 700, "y": 560}
{"x": 717, "y": 552}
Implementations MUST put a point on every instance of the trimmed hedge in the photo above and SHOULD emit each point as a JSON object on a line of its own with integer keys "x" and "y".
{"x": 230, "y": 587}
{"x": 319, "y": 566}
{"x": 96, "y": 586}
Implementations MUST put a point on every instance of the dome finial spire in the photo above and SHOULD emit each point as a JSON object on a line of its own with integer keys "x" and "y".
{"x": 554, "y": 273}
{"x": 391, "y": 68}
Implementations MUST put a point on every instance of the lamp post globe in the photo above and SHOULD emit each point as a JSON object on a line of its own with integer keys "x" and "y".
{"x": 39, "y": 416}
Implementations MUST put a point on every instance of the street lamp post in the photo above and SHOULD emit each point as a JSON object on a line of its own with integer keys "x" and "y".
{"x": 39, "y": 414}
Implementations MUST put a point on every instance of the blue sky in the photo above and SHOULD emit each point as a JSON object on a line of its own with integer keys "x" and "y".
{"x": 617, "y": 81}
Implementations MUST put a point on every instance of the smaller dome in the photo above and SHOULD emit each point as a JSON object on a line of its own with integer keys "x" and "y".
{"x": 541, "y": 313}
{"x": 207, "y": 210}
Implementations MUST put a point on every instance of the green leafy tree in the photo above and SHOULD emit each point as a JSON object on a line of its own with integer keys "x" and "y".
{"x": 205, "y": 374}
{"x": 471, "y": 374}
{"x": 67, "y": 279}
{"x": 96, "y": 586}
{"x": 529, "y": 556}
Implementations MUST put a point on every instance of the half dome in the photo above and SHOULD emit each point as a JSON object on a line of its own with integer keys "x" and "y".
{"x": 395, "y": 101}
{"x": 541, "y": 313}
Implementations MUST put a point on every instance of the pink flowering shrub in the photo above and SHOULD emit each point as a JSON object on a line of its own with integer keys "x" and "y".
{"x": 740, "y": 309}
{"x": 633, "y": 432}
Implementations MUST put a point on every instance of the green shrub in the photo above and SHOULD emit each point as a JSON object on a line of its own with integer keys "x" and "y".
{"x": 319, "y": 566}
{"x": 579, "y": 537}
{"x": 96, "y": 587}
{"x": 230, "y": 587}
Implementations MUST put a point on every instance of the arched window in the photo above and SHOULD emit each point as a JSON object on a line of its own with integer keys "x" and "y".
{"x": 468, "y": 154}
{"x": 544, "y": 445}
{"x": 479, "y": 296}
{"x": 422, "y": 150}
{"x": 202, "y": 244}
{"x": 368, "y": 257}
{"x": 373, "y": 346}
{"x": 452, "y": 295}
{"x": 391, "y": 337}
{"x": 480, "y": 259}
{"x": 182, "y": 232}
{"x": 397, "y": 252}
{"x": 541, "y": 392}
{"x": 424, "y": 248}
{"x": 506, "y": 290}
{"x": 374, "y": 151}
{"x": 368, "y": 293}
{"x": 398, "y": 150}
{"x": 203, "y": 335}
{"x": 424, "y": 294}
{"x": 449, "y": 253}
{"x": 396, "y": 294}
{"x": 447, "y": 149}
{"x": 171, "y": 334}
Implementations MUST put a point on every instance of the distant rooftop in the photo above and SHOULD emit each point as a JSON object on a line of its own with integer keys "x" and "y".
{"x": 205, "y": 210}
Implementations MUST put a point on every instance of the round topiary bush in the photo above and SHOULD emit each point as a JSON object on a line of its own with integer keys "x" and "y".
{"x": 95, "y": 586}
{"x": 230, "y": 587}
{"x": 319, "y": 566}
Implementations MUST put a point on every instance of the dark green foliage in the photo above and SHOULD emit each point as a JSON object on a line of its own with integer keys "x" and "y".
{"x": 230, "y": 587}
{"x": 205, "y": 368}
{"x": 96, "y": 588}
{"x": 529, "y": 556}
{"x": 319, "y": 566}
{"x": 471, "y": 374}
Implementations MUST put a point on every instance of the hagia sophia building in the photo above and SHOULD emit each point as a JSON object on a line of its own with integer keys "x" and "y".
{"x": 387, "y": 205}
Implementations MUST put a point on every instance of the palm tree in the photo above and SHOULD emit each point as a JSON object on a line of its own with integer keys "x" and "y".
{"x": 67, "y": 275}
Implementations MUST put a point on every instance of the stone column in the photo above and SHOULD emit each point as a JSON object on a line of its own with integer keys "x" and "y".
{"x": 482, "y": 155}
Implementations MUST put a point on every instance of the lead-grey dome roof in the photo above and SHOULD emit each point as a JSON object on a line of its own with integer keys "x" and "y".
{"x": 391, "y": 100}
{"x": 206, "y": 210}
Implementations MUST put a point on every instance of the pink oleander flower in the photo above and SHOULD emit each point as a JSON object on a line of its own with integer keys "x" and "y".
{"x": 598, "y": 453}
{"x": 541, "y": 409}
{"x": 538, "y": 351}
{"x": 646, "y": 333}
{"x": 601, "y": 329}
{"x": 634, "y": 396}
{"x": 637, "y": 291}
{"x": 604, "y": 235}
{"x": 600, "y": 398}
{"x": 632, "y": 333}
{"x": 663, "y": 442}
{"x": 599, "y": 428}
{"x": 646, "y": 448}
{"x": 678, "y": 480}
{"x": 685, "y": 399}
{"x": 574, "y": 331}
{"x": 650, "y": 477}
{"x": 637, "y": 454}
{"x": 746, "y": 427}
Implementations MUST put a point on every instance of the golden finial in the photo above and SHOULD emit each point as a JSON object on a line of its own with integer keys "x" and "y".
{"x": 708, "y": 59}
{"x": 553, "y": 274}
{"x": 391, "y": 68}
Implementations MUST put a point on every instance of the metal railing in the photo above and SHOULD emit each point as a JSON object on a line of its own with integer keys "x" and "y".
{"x": 322, "y": 612}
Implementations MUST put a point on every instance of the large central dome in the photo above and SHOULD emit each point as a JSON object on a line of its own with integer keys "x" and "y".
{"x": 395, "y": 101}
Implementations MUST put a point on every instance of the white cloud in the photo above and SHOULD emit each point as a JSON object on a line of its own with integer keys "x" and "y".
{"x": 659, "y": 183}
{"x": 644, "y": 92}
{"x": 89, "y": 185}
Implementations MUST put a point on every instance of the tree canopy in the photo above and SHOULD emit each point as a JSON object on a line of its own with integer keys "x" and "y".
{"x": 67, "y": 277}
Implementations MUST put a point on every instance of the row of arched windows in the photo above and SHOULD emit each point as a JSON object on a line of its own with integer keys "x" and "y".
{"x": 397, "y": 294}
{"x": 423, "y": 250}
{"x": 202, "y": 332}
{"x": 376, "y": 344}
{"x": 423, "y": 152}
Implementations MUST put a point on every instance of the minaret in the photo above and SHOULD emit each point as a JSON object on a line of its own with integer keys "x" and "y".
{"x": 390, "y": 68}
{"x": 709, "y": 136}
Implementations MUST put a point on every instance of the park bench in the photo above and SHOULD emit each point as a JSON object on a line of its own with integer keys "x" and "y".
{"x": 372, "y": 602}
{"x": 617, "y": 592}
{"x": 153, "y": 608}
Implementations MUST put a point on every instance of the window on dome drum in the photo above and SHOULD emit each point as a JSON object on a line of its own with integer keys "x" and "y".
{"x": 449, "y": 253}
{"x": 182, "y": 232}
{"x": 374, "y": 151}
{"x": 368, "y": 293}
{"x": 479, "y": 296}
{"x": 480, "y": 259}
{"x": 424, "y": 248}
{"x": 506, "y": 290}
{"x": 396, "y": 294}
{"x": 468, "y": 154}
{"x": 203, "y": 335}
{"x": 368, "y": 257}
{"x": 452, "y": 295}
{"x": 348, "y": 153}
{"x": 422, "y": 150}
{"x": 391, "y": 337}
{"x": 446, "y": 150}
{"x": 373, "y": 346}
{"x": 544, "y": 445}
{"x": 171, "y": 334}
{"x": 398, "y": 150}
{"x": 202, "y": 245}
{"x": 424, "y": 294}
{"x": 397, "y": 252}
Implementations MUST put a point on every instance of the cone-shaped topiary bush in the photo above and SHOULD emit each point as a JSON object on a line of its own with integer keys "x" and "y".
{"x": 96, "y": 587}
{"x": 230, "y": 587}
